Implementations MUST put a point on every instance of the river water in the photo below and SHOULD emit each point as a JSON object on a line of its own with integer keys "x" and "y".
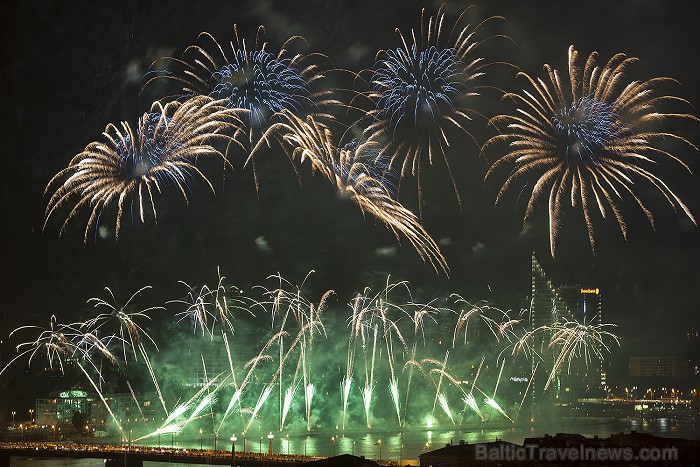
{"x": 407, "y": 445}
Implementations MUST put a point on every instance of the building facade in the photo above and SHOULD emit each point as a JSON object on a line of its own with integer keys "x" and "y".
{"x": 61, "y": 406}
{"x": 553, "y": 307}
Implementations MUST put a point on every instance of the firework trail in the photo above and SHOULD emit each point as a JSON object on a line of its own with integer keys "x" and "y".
{"x": 442, "y": 399}
{"x": 312, "y": 140}
{"x": 470, "y": 401}
{"x": 261, "y": 400}
{"x": 491, "y": 401}
{"x": 529, "y": 383}
{"x": 439, "y": 384}
{"x": 54, "y": 342}
{"x": 128, "y": 328}
{"x": 421, "y": 311}
{"x": 130, "y": 166}
{"x": 99, "y": 393}
{"x": 147, "y": 361}
{"x": 469, "y": 398}
{"x": 479, "y": 310}
{"x": 369, "y": 377}
{"x": 133, "y": 397}
{"x": 394, "y": 390}
{"x": 61, "y": 341}
{"x": 376, "y": 322}
{"x": 423, "y": 89}
{"x": 287, "y": 403}
{"x": 572, "y": 340}
{"x": 592, "y": 145}
{"x": 308, "y": 387}
{"x": 293, "y": 304}
{"x": 204, "y": 402}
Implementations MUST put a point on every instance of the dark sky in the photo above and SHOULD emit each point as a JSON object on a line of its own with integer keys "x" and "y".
{"x": 69, "y": 68}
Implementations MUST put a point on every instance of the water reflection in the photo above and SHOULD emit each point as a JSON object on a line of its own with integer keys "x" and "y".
{"x": 410, "y": 444}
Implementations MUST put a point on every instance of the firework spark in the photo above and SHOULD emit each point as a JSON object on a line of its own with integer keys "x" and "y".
{"x": 128, "y": 328}
{"x": 55, "y": 342}
{"x": 246, "y": 75}
{"x": 591, "y": 146}
{"x": 573, "y": 341}
{"x": 131, "y": 166}
{"x": 422, "y": 89}
{"x": 312, "y": 140}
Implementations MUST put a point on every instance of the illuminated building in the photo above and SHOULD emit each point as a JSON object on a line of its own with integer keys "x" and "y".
{"x": 60, "y": 407}
{"x": 551, "y": 304}
{"x": 583, "y": 379}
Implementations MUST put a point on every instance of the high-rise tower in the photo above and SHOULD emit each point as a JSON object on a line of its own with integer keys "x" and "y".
{"x": 550, "y": 305}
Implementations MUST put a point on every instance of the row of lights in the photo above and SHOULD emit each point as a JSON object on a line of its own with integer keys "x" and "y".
{"x": 31, "y": 415}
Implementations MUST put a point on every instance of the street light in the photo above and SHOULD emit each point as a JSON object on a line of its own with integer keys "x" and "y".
{"x": 53, "y": 427}
{"x": 244, "y": 441}
{"x": 31, "y": 415}
{"x": 216, "y": 438}
{"x": 14, "y": 412}
{"x": 270, "y": 438}
{"x": 353, "y": 448}
{"x": 380, "y": 449}
{"x": 333, "y": 441}
{"x": 305, "y": 440}
{"x": 287, "y": 443}
{"x": 200, "y": 439}
{"x": 233, "y": 447}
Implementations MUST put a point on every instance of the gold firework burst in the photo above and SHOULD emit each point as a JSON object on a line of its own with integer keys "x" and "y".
{"x": 590, "y": 145}
{"x": 130, "y": 166}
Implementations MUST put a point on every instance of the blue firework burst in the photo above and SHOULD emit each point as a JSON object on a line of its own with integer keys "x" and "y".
{"x": 252, "y": 79}
{"x": 416, "y": 87}
{"x": 585, "y": 127}
{"x": 421, "y": 90}
{"x": 143, "y": 153}
{"x": 261, "y": 83}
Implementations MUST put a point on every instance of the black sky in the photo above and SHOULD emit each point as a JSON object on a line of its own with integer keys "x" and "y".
{"x": 69, "y": 68}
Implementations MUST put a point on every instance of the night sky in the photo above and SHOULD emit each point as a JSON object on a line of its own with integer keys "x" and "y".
{"x": 69, "y": 68}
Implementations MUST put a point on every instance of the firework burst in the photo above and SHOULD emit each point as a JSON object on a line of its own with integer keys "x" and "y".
{"x": 423, "y": 88}
{"x": 352, "y": 178}
{"x": 55, "y": 342}
{"x": 591, "y": 145}
{"x": 130, "y": 332}
{"x": 574, "y": 341}
{"x": 246, "y": 76}
{"x": 130, "y": 166}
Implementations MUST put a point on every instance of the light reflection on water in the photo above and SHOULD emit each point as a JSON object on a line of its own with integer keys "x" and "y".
{"x": 409, "y": 444}
{"x": 403, "y": 445}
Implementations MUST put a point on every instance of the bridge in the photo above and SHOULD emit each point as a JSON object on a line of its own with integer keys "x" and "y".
{"x": 122, "y": 456}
